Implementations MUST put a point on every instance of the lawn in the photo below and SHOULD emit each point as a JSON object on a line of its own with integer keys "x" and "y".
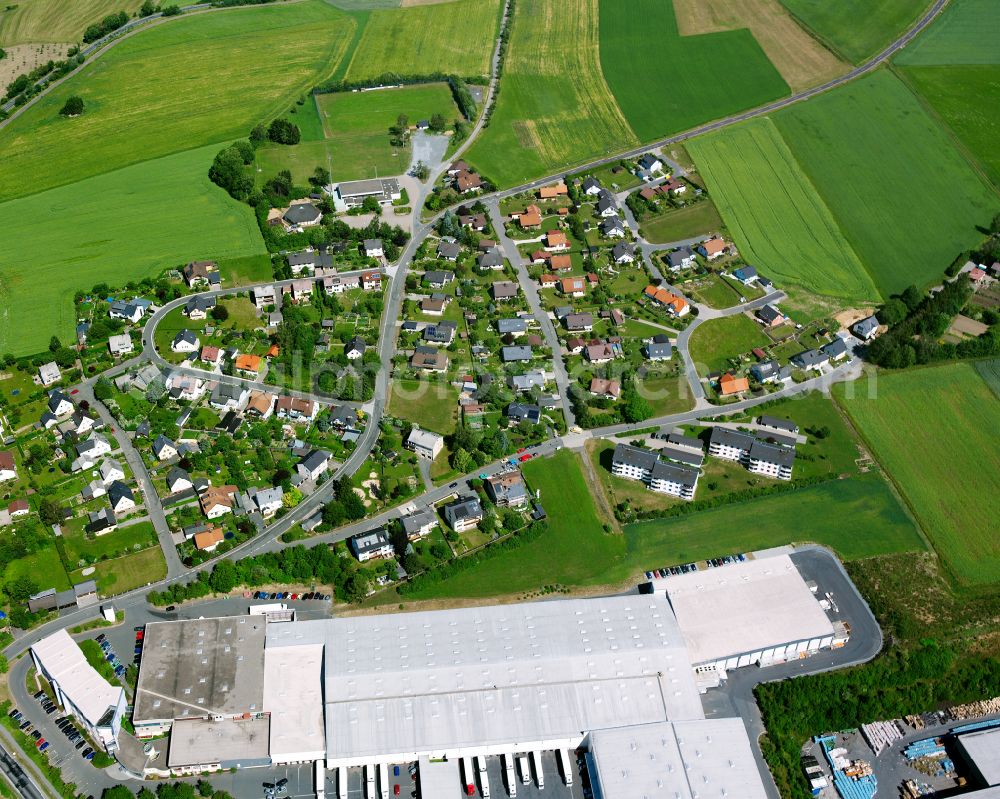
{"x": 856, "y": 28}
{"x": 555, "y": 108}
{"x": 124, "y": 574}
{"x": 356, "y": 130}
{"x": 453, "y": 38}
{"x": 90, "y": 234}
{"x": 666, "y": 394}
{"x": 80, "y": 547}
{"x": 716, "y": 291}
{"x": 194, "y": 81}
{"x": 697, "y": 219}
{"x": 705, "y": 77}
{"x": 966, "y": 33}
{"x": 717, "y": 340}
{"x": 574, "y": 550}
{"x": 926, "y": 427}
{"x": 431, "y": 405}
{"x": 967, "y": 98}
{"x": 35, "y": 21}
{"x": 245, "y": 270}
{"x": 95, "y": 657}
{"x": 774, "y": 214}
{"x": 878, "y": 525}
{"x": 858, "y": 145}
{"x": 43, "y": 566}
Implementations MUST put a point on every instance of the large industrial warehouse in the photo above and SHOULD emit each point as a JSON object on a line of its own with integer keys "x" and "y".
{"x": 615, "y": 676}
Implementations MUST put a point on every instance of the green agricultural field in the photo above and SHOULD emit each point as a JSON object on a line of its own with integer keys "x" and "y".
{"x": 967, "y": 98}
{"x": 454, "y": 38}
{"x": 683, "y": 223}
{"x": 37, "y": 21}
{"x": 706, "y": 77}
{"x": 966, "y": 33}
{"x": 775, "y": 215}
{"x": 574, "y": 551}
{"x": 432, "y": 406}
{"x": 125, "y": 225}
{"x": 355, "y": 127}
{"x": 990, "y": 372}
{"x": 856, "y": 28}
{"x": 878, "y": 525}
{"x": 927, "y": 428}
{"x": 187, "y": 83}
{"x": 906, "y": 199}
{"x": 555, "y": 108}
{"x": 717, "y": 340}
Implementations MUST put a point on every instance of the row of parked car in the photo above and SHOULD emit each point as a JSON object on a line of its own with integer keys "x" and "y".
{"x": 666, "y": 571}
{"x": 111, "y": 657}
{"x": 311, "y": 595}
{"x": 64, "y": 724}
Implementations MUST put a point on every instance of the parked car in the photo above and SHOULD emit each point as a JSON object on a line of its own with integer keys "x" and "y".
{"x": 36, "y": 734}
{"x": 43, "y": 746}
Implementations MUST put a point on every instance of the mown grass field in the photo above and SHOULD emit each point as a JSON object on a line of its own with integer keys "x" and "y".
{"x": 186, "y": 83}
{"x": 574, "y": 551}
{"x": 36, "y": 21}
{"x": 856, "y": 28}
{"x": 432, "y": 406}
{"x": 967, "y": 98}
{"x": 775, "y": 215}
{"x": 878, "y": 525}
{"x": 684, "y": 223}
{"x": 799, "y": 57}
{"x": 555, "y": 108}
{"x": 906, "y": 199}
{"x": 353, "y": 139}
{"x": 123, "y": 574}
{"x": 454, "y": 38}
{"x": 718, "y": 340}
{"x": 928, "y": 428}
{"x": 706, "y": 77}
{"x": 990, "y": 372}
{"x": 966, "y": 33}
{"x": 125, "y": 225}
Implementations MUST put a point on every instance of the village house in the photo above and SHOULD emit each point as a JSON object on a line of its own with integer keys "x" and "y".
{"x": 866, "y": 329}
{"x": 573, "y": 286}
{"x": 208, "y": 540}
{"x": 372, "y": 248}
{"x": 623, "y": 253}
{"x": 264, "y": 296}
{"x": 429, "y": 359}
{"x": 449, "y": 250}
{"x": 120, "y": 345}
{"x": 553, "y": 192}
{"x": 464, "y": 514}
{"x": 48, "y": 373}
{"x": 528, "y": 219}
{"x": 371, "y": 280}
{"x": 295, "y": 408}
{"x": 682, "y": 258}
{"x": 199, "y": 272}
{"x": 579, "y": 322}
{"x": 556, "y": 241}
{"x": 425, "y": 443}
{"x": 217, "y": 501}
{"x": 419, "y": 524}
{"x": 491, "y": 259}
{"x": 507, "y": 490}
{"x": 185, "y": 341}
{"x": 371, "y": 545}
{"x": 712, "y": 248}
{"x": 8, "y": 468}
{"x": 504, "y": 290}
{"x": 730, "y": 384}
{"x": 438, "y": 279}
{"x": 260, "y": 404}
{"x": 674, "y": 304}
{"x": 302, "y": 215}
{"x": 609, "y": 389}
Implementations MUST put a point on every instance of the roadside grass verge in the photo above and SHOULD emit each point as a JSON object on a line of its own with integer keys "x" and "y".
{"x": 926, "y": 427}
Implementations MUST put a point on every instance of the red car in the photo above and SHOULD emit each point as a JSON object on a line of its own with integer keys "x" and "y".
{"x": 39, "y": 742}
{"x": 522, "y": 449}
{"x": 395, "y": 790}
{"x": 75, "y": 391}
{"x": 294, "y": 596}
{"x": 525, "y": 457}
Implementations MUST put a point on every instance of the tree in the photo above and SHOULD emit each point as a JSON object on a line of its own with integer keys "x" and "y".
{"x": 204, "y": 788}
{"x": 103, "y": 389}
{"x": 147, "y": 8}
{"x": 634, "y": 407}
{"x": 438, "y": 123}
{"x": 223, "y": 577}
{"x": 281, "y": 131}
{"x": 20, "y": 588}
{"x": 54, "y": 344}
{"x": 320, "y": 177}
{"x": 402, "y": 122}
{"x": 371, "y": 206}
{"x": 220, "y": 313}
{"x": 421, "y": 171}
{"x": 50, "y": 511}
{"x": 117, "y": 792}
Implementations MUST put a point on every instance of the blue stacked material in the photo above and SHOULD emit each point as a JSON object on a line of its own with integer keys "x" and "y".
{"x": 977, "y": 725}
{"x": 860, "y": 788}
{"x": 925, "y": 748}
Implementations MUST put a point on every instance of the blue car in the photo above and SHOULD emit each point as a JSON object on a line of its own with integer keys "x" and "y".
{"x": 89, "y": 756}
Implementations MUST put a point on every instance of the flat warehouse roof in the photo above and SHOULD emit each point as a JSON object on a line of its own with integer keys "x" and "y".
{"x": 195, "y": 742}
{"x": 400, "y": 682}
{"x": 65, "y": 662}
{"x": 199, "y": 667}
{"x": 680, "y": 760}
{"x": 983, "y": 749}
{"x": 745, "y": 607}
{"x": 293, "y": 695}
{"x": 453, "y": 721}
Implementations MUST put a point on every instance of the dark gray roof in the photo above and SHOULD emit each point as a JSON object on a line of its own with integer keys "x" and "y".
{"x": 442, "y": 332}
{"x": 684, "y": 441}
{"x": 199, "y": 302}
{"x": 677, "y": 257}
{"x": 448, "y": 249}
{"x": 468, "y": 508}
{"x": 185, "y": 336}
{"x": 648, "y": 161}
{"x": 523, "y": 412}
{"x": 517, "y": 353}
{"x": 622, "y": 248}
{"x": 491, "y": 258}
{"x": 866, "y": 325}
{"x": 315, "y": 459}
{"x": 578, "y": 321}
{"x": 780, "y": 456}
{"x": 415, "y": 521}
{"x": 730, "y": 438}
{"x": 302, "y": 212}
{"x": 175, "y": 474}
{"x": 161, "y": 442}
{"x": 682, "y": 456}
{"x": 764, "y": 369}
{"x": 612, "y": 223}
{"x": 357, "y": 344}
{"x": 634, "y": 456}
{"x": 504, "y": 289}
{"x": 370, "y": 541}
{"x": 836, "y": 348}
{"x": 606, "y": 201}
{"x": 778, "y": 423}
{"x": 439, "y": 276}
{"x": 769, "y": 313}
{"x": 373, "y": 244}
{"x": 746, "y": 272}
{"x": 302, "y": 258}
{"x": 809, "y": 358}
{"x": 118, "y": 490}
{"x": 663, "y": 470}
{"x": 659, "y": 350}
{"x": 591, "y": 183}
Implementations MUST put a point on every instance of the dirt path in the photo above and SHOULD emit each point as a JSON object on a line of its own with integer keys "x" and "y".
{"x": 597, "y": 490}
